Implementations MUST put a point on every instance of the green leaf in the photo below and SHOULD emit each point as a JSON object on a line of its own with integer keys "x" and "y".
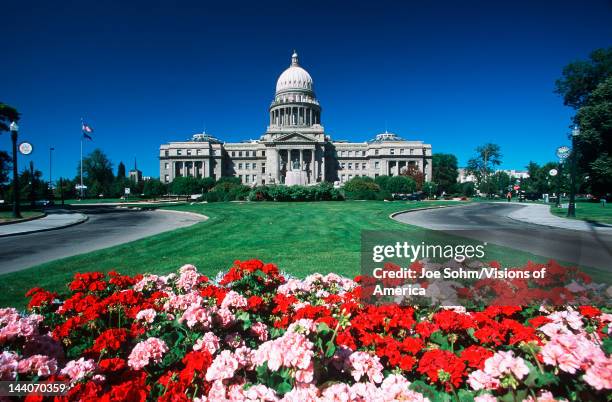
{"x": 440, "y": 339}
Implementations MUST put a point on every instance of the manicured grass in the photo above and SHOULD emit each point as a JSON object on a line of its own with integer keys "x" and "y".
{"x": 6, "y": 216}
{"x": 588, "y": 211}
{"x": 301, "y": 238}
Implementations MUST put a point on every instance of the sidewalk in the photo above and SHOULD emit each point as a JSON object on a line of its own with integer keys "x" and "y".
{"x": 55, "y": 219}
{"x": 540, "y": 215}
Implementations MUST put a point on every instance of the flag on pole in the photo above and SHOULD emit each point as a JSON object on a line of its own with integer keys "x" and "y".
{"x": 86, "y": 131}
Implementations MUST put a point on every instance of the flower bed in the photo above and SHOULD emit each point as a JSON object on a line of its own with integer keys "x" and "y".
{"x": 255, "y": 335}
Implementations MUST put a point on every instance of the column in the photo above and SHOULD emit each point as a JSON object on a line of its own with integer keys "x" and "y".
{"x": 323, "y": 177}
{"x": 301, "y": 158}
{"x": 289, "y": 164}
{"x": 310, "y": 117}
{"x": 313, "y": 178}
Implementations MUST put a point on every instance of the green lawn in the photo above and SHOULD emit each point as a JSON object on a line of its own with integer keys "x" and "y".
{"x": 301, "y": 238}
{"x": 6, "y": 216}
{"x": 588, "y": 211}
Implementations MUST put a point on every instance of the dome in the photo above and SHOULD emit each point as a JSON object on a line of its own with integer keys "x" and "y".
{"x": 386, "y": 137}
{"x": 295, "y": 77}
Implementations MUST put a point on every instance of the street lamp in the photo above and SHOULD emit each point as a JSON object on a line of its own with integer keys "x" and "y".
{"x": 14, "y": 129}
{"x": 571, "y": 208}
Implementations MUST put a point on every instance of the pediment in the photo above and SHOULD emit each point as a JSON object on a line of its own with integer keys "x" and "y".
{"x": 294, "y": 137}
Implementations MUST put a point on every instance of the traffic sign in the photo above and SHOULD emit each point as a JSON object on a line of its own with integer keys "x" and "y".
{"x": 25, "y": 148}
{"x": 563, "y": 152}
{"x": 517, "y": 187}
{"x": 553, "y": 172}
{"x": 126, "y": 191}
{"x": 78, "y": 187}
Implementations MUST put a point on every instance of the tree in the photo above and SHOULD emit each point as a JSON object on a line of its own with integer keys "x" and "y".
{"x": 5, "y": 166}
{"x": 445, "y": 171}
{"x": 582, "y": 77}
{"x": 415, "y": 174}
{"x": 185, "y": 185}
{"x": 594, "y": 144}
{"x": 498, "y": 183}
{"x": 8, "y": 114}
{"x": 121, "y": 170}
{"x": 153, "y": 188}
{"x": 481, "y": 165}
{"x": 430, "y": 188}
{"x": 97, "y": 173}
{"x": 401, "y": 185}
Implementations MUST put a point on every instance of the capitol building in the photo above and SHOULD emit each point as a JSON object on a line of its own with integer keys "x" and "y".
{"x": 295, "y": 148}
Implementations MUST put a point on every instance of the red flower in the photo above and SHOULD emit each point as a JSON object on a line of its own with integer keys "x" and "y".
{"x": 474, "y": 356}
{"x": 442, "y": 366}
{"x": 110, "y": 340}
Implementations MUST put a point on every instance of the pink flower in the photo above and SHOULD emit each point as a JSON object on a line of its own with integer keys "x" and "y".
{"x": 361, "y": 364}
{"x": 223, "y": 367}
{"x": 233, "y": 299}
{"x": 480, "y": 380}
{"x": 502, "y": 363}
{"x": 78, "y": 369}
{"x": 196, "y": 314}
{"x": 260, "y": 330}
{"x": 485, "y": 398}
{"x": 8, "y": 365}
{"x": 302, "y": 393}
{"x": 188, "y": 277}
{"x": 599, "y": 375}
{"x": 208, "y": 342}
{"x": 145, "y": 352}
{"x": 147, "y": 315}
{"x": 40, "y": 365}
{"x": 225, "y": 317}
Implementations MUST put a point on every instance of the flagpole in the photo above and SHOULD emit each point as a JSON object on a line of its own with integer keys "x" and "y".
{"x": 81, "y": 166}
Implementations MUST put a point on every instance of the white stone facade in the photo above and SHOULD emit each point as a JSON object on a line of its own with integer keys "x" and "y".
{"x": 294, "y": 140}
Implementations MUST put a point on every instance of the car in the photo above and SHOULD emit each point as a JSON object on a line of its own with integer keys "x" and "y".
{"x": 44, "y": 203}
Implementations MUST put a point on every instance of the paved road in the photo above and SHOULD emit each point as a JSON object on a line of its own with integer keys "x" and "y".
{"x": 490, "y": 222}
{"x": 106, "y": 227}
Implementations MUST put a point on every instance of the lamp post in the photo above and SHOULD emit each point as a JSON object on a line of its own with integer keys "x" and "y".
{"x": 51, "y": 149}
{"x": 571, "y": 208}
{"x": 14, "y": 129}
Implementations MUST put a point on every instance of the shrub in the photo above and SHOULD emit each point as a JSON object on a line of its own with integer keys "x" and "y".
{"x": 401, "y": 185}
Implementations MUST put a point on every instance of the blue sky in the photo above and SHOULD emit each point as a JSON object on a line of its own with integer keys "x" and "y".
{"x": 453, "y": 74}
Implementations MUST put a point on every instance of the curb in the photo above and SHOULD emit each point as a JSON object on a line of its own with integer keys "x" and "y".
{"x": 394, "y": 214}
{"x": 23, "y": 220}
{"x": 84, "y": 219}
{"x": 204, "y": 217}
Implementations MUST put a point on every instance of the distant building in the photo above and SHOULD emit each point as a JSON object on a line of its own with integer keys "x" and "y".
{"x": 464, "y": 176}
{"x": 135, "y": 175}
{"x": 515, "y": 174}
{"x": 294, "y": 146}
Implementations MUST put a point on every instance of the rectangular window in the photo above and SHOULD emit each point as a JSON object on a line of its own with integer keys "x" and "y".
{"x": 240, "y": 177}
{"x": 179, "y": 152}
{"x": 166, "y": 178}
{"x": 376, "y": 165}
{"x": 189, "y": 152}
{"x": 263, "y": 153}
{"x": 411, "y": 151}
{"x": 240, "y": 166}
{"x": 350, "y": 166}
{"x": 263, "y": 168}
{"x": 254, "y": 178}
{"x": 247, "y": 178}
{"x": 247, "y": 166}
{"x": 343, "y": 178}
{"x": 342, "y": 165}
{"x": 402, "y": 151}
{"x": 376, "y": 152}
{"x": 239, "y": 153}
{"x": 392, "y": 151}
{"x": 166, "y": 153}
{"x": 233, "y": 153}
{"x": 363, "y": 166}
{"x": 356, "y": 166}
{"x": 350, "y": 176}
{"x": 254, "y": 165}
{"x": 363, "y": 153}
{"x": 166, "y": 166}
